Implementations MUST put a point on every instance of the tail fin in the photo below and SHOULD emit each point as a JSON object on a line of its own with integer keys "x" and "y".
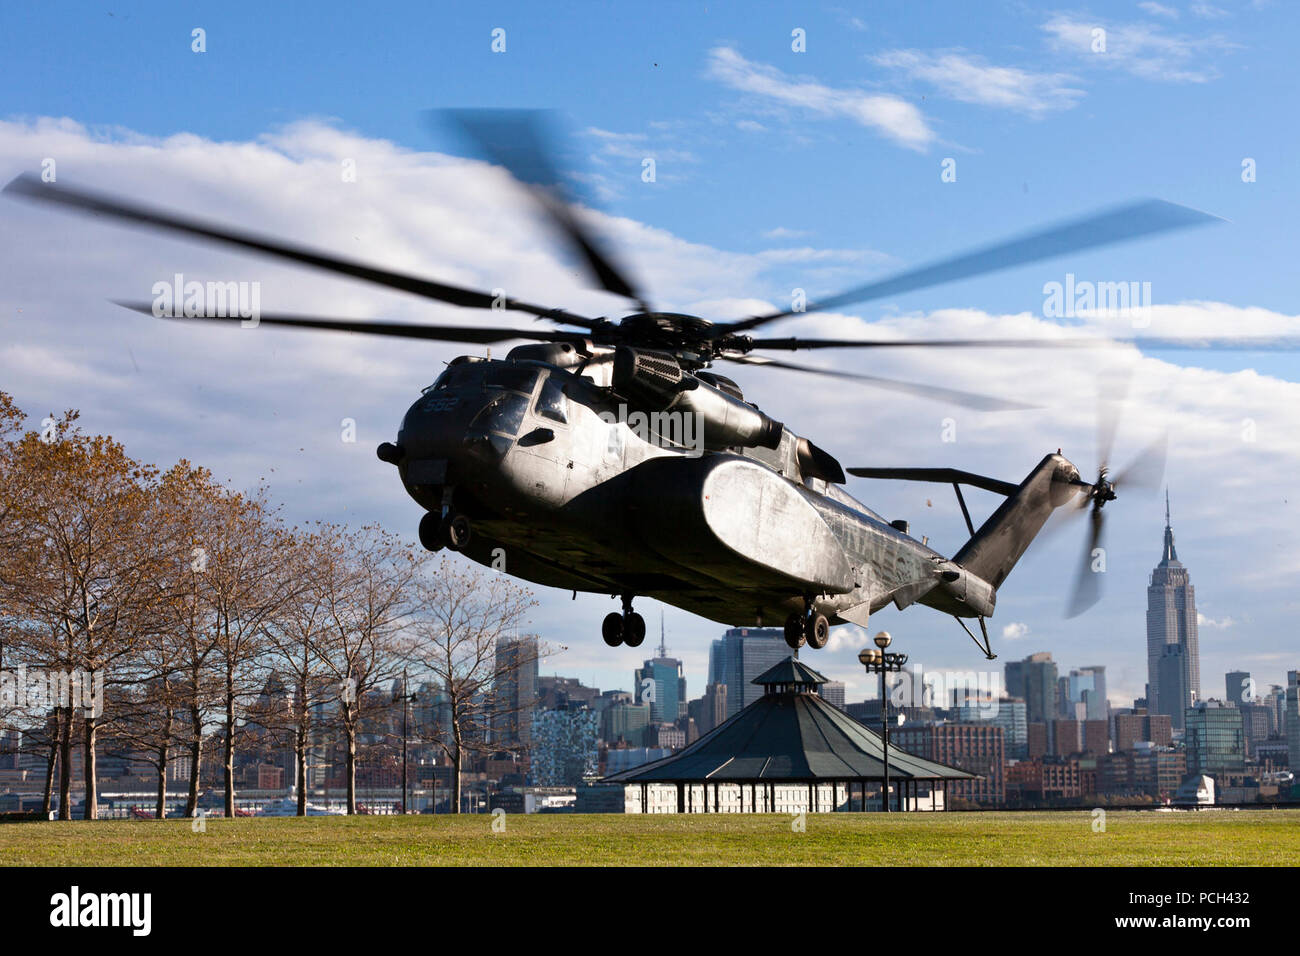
{"x": 996, "y": 547}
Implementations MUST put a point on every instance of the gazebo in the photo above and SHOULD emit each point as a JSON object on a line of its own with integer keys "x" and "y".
{"x": 790, "y": 750}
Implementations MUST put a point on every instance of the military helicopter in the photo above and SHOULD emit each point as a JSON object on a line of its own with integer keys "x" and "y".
{"x": 609, "y": 456}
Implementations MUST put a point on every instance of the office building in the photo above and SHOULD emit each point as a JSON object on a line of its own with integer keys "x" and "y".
{"x": 1041, "y": 688}
{"x": 744, "y": 654}
{"x": 1214, "y": 740}
{"x": 661, "y": 682}
{"x": 1240, "y": 688}
{"x": 564, "y": 745}
{"x": 1172, "y": 676}
{"x": 514, "y": 691}
{"x": 1130, "y": 729}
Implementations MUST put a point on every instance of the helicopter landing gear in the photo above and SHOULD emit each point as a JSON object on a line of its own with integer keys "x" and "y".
{"x": 612, "y": 629}
{"x": 794, "y": 635}
{"x": 626, "y": 628}
{"x": 633, "y": 629}
{"x": 817, "y": 630}
{"x": 809, "y": 628}
{"x": 458, "y": 533}
{"x": 433, "y": 534}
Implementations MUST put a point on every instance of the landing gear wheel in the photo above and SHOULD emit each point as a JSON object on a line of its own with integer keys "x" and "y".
{"x": 794, "y": 635}
{"x": 432, "y": 534}
{"x": 458, "y": 533}
{"x": 612, "y": 629}
{"x": 633, "y": 629}
{"x": 818, "y": 631}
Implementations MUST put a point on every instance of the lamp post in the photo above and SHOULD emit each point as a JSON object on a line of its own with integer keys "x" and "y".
{"x": 405, "y": 697}
{"x": 876, "y": 660}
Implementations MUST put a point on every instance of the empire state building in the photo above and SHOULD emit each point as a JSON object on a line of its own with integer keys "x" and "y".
{"x": 1173, "y": 648}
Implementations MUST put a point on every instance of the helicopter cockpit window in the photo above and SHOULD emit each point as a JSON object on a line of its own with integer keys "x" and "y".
{"x": 514, "y": 377}
{"x": 551, "y": 402}
{"x": 504, "y": 413}
{"x": 458, "y": 376}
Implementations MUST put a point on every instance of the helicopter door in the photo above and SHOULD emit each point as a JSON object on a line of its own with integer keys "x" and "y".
{"x": 548, "y": 440}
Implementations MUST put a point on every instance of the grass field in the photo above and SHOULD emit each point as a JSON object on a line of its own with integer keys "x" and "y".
{"x": 1251, "y": 838}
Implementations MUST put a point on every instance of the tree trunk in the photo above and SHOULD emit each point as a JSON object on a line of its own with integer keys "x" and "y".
{"x": 228, "y": 754}
{"x": 351, "y": 732}
{"x": 89, "y": 768}
{"x": 164, "y": 751}
{"x": 300, "y": 770}
{"x": 65, "y": 763}
{"x": 47, "y": 801}
{"x": 455, "y": 776}
{"x": 196, "y": 761}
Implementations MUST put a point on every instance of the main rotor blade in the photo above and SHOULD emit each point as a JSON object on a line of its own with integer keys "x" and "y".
{"x": 478, "y": 335}
{"x": 1228, "y": 343}
{"x": 967, "y": 399}
{"x": 29, "y": 186}
{"x": 1087, "y": 586}
{"x": 516, "y": 139}
{"x": 1131, "y": 221}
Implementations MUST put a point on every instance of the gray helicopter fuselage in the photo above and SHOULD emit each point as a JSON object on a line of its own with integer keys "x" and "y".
{"x": 567, "y": 487}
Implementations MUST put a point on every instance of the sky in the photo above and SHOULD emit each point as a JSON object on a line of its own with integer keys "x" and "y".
{"x": 794, "y": 146}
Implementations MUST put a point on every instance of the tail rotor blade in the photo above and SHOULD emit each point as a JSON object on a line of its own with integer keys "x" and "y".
{"x": 1147, "y": 470}
{"x": 1087, "y": 586}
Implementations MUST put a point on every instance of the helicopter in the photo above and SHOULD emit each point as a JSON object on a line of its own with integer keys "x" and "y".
{"x": 610, "y": 456}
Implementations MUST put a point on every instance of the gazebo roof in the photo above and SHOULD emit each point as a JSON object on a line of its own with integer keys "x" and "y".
{"x": 788, "y": 735}
{"x": 790, "y": 671}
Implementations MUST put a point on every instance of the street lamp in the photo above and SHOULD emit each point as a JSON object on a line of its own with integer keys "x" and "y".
{"x": 405, "y": 697}
{"x": 877, "y": 660}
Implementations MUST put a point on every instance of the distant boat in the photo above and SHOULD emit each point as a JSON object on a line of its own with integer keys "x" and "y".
{"x": 288, "y": 807}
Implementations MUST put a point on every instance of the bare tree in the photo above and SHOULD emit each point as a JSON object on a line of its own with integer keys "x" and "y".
{"x": 295, "y": 633}
{"x": 367, "y": 579}
{"x": 248, "y": 579}
{"x": 463, "y": 616}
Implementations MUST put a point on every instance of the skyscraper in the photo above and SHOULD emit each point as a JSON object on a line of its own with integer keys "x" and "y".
{"x": 745, "y": 653}
{"x": 1171, "y": 620}
{"x": 514, "y": 691}
{"x": 661, "y": 682}
{"x": 1041, "y": 687}
{"x": 1171, "y": 672}
{"x": 1240, "y": 688}
{"x": 1088, "y": 687}
{"x": 1292, "y": 721}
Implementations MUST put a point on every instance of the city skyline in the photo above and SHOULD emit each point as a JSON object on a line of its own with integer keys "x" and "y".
{"x": 735, "y": 113}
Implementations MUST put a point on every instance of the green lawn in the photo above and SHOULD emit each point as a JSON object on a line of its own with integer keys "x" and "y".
{"x": 1259, "y": 837}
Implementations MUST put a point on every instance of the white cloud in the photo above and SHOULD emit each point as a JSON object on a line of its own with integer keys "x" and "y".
{"x": 890, "y": 116}
{"x": 971, "y": 79}
{"x": 244, "y": 402}
{"x": 1015, "y": 631}
{"x": 781, "y": 232}
{"x": 1221, "y": 623}
{"x": 1158, "y": 9}
{"x": 1143, "y": 50}
{"x": 1208, "y": 11}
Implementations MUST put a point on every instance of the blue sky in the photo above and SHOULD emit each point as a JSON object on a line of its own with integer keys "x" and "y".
{"x": 817, "y": 169}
